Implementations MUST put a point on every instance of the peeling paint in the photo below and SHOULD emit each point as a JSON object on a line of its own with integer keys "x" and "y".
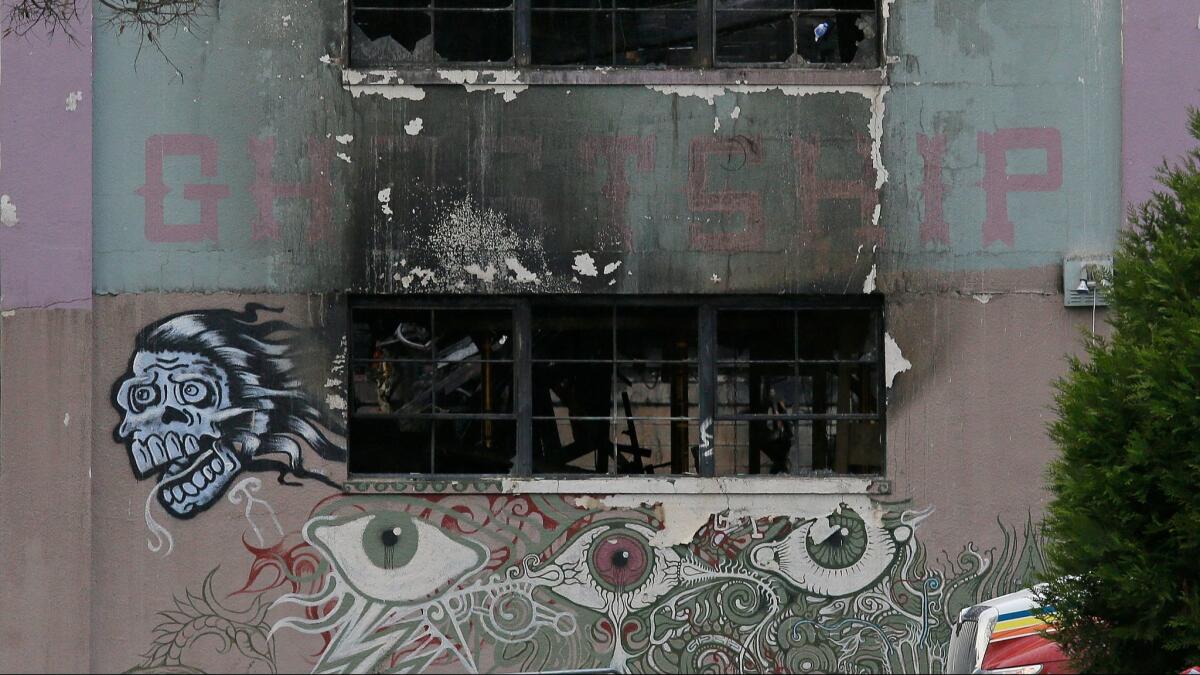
{"x": 344, "y": 157}
{"x": 487, "y": 274}
{"x": 66, "y": 419}
{"x": 335, "y": 402}
{"x": 716, "y": 124}
{"x": 585, "y": 265}
{"x": 506, "y": 83}
{"x": 326, "y": 59}
{"x": 737, "y": 112}
{"x": 8, "y": 211}
{"x": 982, "y": 298}
{"x": 414, "y": 127}
{"x": 520, "y": 274}
{"x": 344, "y": 139}
{"x": 869, "y": 282}
{"x": 612, "y": 267}
{"x": 385, "y": 199}
{"x": 73, "y": 100}
{"x": 893, "y": 359}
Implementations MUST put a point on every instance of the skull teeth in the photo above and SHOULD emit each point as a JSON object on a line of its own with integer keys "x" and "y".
{"x": 155, "y": 450}
{"x": 192, "y": 480}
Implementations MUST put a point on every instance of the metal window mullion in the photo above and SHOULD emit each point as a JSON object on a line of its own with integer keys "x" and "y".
{"x": 705, "y": 33}
{"x": 433, "y": 342}
{"x": 523, "y": 383}
{"x": 522, "y": 32}
{"x": 707, "y": 325}
{"x": 614, "y": 457}
{"x": 794, "y": 452}
{"x": 881, "y": 388}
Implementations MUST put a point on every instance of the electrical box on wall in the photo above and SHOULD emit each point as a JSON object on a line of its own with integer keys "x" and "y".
{"x": 1085, "y": 280}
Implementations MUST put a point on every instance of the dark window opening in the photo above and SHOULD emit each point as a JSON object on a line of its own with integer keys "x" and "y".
{"x": 626, "y": 33}
{"x": 626, "y": 386}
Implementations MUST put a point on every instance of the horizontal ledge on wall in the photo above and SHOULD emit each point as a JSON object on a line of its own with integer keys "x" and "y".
{"x": 632, "y": 485}
{"x": 486, "y": 78}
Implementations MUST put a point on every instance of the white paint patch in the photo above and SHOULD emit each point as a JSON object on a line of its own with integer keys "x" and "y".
{"x": 520, "y": 274}
{"x": 8, "y": 211}
{"x": 716, "y": 124}
{"x": 414, "y": 127}
{"x": 73, "y": 100}
{"x": 612, "y": 267}
{"x": 894, "y": 361}
{"x": 869, "y": 282}
{"x": 335, "y": 402}
{"x": 737, "y": 112}
{"x": 8, "y": 313}
{"x": 506, "y": 83}
{"x": 344, "y": 157}
{"x": 982, "y": 298}
{"x": 385, "y": 199}
{"x": 585, "y": 265}
{"x": 875, "y": 215}
{"x": 390, "y": 92}
{"x": 287, "y": 20}
{"x": 487, "y": 274}
{"x": 716, "y": 279}
{"x": 67, "y": 419}
{"x": 344, "y": 139}
{"x": 326, "y": 59}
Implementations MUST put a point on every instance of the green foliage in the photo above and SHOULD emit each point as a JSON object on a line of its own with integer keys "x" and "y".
{"x": 1123, "y": 530}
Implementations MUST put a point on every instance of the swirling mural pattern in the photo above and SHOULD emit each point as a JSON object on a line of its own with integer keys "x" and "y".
{"x": 501, "y": 583}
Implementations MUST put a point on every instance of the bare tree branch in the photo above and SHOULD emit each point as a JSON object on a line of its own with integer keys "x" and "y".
{"x": 148, "y": 18}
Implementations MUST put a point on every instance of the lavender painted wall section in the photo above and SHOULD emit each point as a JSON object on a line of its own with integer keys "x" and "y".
{"x": 46, "y": 170}
{"x": 1161, "y": 79}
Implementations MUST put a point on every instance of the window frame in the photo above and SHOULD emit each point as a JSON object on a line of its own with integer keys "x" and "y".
{"x": 522, "y": 71}
{"x": 707, "y": 308}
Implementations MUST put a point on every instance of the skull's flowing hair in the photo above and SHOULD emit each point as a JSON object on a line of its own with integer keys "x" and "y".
{"x": 270, "y": 406}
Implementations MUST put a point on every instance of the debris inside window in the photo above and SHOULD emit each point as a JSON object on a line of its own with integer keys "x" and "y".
{"x": 663, "y": 33}
{"x": 615, "y": 388}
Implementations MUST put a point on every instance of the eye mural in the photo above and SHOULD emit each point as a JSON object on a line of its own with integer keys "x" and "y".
{"x": 209, "y": 394}
{"x": 504, "y": 583}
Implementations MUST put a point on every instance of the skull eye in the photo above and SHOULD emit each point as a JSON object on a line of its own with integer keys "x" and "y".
{"x": 143, "y": 396}
{"x": 197, "y": 392}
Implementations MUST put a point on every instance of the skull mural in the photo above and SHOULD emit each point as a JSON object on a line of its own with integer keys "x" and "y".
{"x": 209, "y": 394}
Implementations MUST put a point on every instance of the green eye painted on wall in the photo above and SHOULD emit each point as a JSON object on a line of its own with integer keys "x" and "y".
{"x": 391, "y": 540}
{"x": 842, "y": 543}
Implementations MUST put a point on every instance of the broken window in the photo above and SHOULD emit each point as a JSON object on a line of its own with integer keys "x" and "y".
{"x": 661, "y": 33}
{"x": 600, "y": 386}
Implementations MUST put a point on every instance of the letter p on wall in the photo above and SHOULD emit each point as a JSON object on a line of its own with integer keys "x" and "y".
{"x": 997, "y": 182}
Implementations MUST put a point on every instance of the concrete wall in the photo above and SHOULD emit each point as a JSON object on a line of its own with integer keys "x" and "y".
{"x": 953, "y": 182}
{"x": 45, "y": 350}
{"x": 1158, "y": 35}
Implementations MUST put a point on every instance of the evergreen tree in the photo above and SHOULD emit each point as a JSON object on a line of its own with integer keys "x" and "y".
{"x": 1123, "y": 530}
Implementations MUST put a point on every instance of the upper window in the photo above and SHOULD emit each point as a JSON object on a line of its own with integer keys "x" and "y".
{"x": 678, "y": 33}
{"x": 590, "y": 386}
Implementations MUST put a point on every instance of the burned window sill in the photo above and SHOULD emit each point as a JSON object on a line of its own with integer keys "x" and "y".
{"x": 640, "y": 485}
{"x": 488, "y": 78}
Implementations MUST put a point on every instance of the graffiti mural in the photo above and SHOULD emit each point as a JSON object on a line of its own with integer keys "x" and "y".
{"x": 209, "y": 394}
{"x": 505, "y": 583}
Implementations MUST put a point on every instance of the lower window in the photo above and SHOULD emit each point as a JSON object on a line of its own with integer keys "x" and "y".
{"x": 578, "y": 386}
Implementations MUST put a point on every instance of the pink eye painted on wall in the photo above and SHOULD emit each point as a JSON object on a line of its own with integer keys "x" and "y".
{"x": 621, "y": 561}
